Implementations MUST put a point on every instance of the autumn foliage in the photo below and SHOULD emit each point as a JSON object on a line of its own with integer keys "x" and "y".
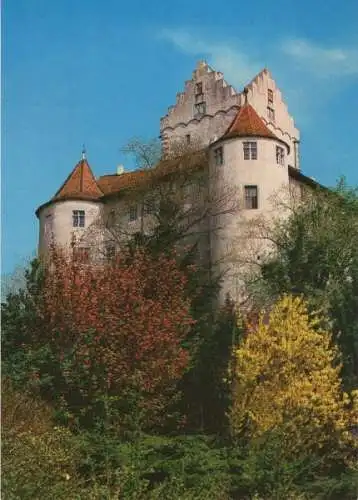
{"x": 114, "y": 329}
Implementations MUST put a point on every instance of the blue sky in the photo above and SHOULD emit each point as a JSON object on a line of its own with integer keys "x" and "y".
{"x": 100, "y": 73}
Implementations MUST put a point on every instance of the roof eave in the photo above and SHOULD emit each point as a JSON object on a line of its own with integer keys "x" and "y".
{"x": 234, "y": 135}
{"x": 67, "y": 198}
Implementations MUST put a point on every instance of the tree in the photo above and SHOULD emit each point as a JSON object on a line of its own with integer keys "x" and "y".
{"x": 175, "y": 210}
{"x": 316, "y": 255}
{"x": 286, "y": 376}
{"x": 111, "y": 333}
{"x": 173, "y": 196}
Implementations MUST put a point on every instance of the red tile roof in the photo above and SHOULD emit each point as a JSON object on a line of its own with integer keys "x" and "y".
{"x": 115, "y": 183}
{"x": 247, "y": 123}
{"x": 80, "y": 183}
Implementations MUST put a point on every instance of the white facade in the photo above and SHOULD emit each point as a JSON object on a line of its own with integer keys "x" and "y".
{"x": 56, "y": 222}
{"x": 202, "y": 115}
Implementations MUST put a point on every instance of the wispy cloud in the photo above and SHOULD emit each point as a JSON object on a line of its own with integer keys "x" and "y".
{"x": 298, "y": 64}
{"x": 322, "y": 61}
{"x": 227, "y": 57}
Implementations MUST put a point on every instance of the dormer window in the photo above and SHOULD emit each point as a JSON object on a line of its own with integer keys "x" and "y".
{"x": 219, "y": 156}
{"x": 280, "y": 155}
{"x": 250, "y": 150}
{"x": 269, "y": 97}
{"x": 271, "y": 114}
{"x": 199, "y": 88}
{"x": 78, "y": 218}
{"x": 200, "y": 108}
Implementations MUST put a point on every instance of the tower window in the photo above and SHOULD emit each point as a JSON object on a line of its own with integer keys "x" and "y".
{"x": 200, "y": 108}
{"x": 250, "y": 150}
{"x": 219, "y": 156}
{"x": 133, "y": 213}
{"x": 271, "y": 114}
{"x": 187, "y": 138}
{"x": 78, "y": 218}
{"x": 251, "y": 197}
{"x": 280, "y": 155}
{"x": 199, "y": 88}
{"x": 110, "y": 250}
{"x": 81, "y": 254}
{"x": 269, "y": 97}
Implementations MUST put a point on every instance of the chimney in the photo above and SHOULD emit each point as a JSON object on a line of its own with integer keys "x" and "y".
{"x": 120, "y": 170}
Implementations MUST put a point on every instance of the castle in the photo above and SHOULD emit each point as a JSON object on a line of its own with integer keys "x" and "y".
{"x": 251, "y": 146}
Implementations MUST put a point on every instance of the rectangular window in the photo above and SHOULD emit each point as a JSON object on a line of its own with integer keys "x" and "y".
{"x": 149, "y": 207}
{"x": 219, "y": 156}
{"x": 110, "y": 250}
{"x": 200, "y": 108}
{"x": 195, "y": 191}
{"x": 187, "y": 138}
{"x": 78, "y": 218}
{"x": 250, "y": 150}
{"x": 251, "y": 197}
{"x": 133, "y": 213}
{"x": 199, "y": 88}
{"x": 269, "y": 97}
{"x": 271, "y": 114}
{"x": 280, "y": 155}
{"x": 81, "y": 254}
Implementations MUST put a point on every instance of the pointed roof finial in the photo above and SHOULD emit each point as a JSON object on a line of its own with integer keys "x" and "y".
{"x": 83, "y": 152}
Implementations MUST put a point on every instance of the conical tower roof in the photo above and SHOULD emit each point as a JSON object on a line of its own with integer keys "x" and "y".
{"x": 81, "y": 183}
{"x": 247, "y": 123}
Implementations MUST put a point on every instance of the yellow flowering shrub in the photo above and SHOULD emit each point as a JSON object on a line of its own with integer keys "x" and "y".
{"x": 286, "y": 373}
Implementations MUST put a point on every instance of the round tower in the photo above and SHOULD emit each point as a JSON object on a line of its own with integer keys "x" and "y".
{"x": 70, "y": 213}
{"x": 248, "y": 167}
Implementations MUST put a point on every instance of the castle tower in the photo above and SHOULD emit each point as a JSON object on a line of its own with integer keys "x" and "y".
{"x": 252, "y": 161}
{"x": 72, "y": 210}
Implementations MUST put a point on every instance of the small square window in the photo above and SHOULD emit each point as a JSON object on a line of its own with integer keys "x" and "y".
{"x": 251, "y": 197}
{"x": 219, "y": 156}
{"x": 200, "y": 108}
{"x": 280, "y": 155}
{"x": 269, "y": 97}
{"x": 78, "y": 218}
{"x": 250, "y": 150}
{"x": 271, "y": 114}
{"x": 133, "y": 213}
